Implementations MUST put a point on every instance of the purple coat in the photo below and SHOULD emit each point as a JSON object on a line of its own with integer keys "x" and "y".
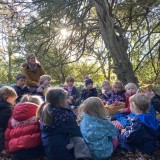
{"x": 117, "y": 97}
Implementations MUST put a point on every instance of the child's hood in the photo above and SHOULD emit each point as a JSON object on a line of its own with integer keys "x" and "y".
{"x": 24, "y": 111}
{"x": 149, "y": 120}
{"x": 94, "y": 125}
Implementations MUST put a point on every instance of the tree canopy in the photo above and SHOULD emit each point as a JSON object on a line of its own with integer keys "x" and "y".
{"x": 89, "y": 37}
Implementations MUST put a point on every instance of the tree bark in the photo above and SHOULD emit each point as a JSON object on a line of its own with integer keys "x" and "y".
{"x": 115, "y": 43}
{"x": 9, "y": 64}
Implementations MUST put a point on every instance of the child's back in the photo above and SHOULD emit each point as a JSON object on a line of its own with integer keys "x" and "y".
{"x": 22, "y": 137}
{"x": 58, "y": 124}
{"x": 96, "y": 129}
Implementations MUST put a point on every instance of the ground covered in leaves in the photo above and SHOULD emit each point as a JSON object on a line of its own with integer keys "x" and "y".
{"x": 123, "y": 155}
{"x": 118, "y": 155}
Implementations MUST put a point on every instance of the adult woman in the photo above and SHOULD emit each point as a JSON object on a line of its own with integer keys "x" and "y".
{"x": 32, "y": 70}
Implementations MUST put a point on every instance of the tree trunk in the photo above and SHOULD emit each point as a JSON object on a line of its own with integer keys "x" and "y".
{"x": 116, "y": 44}
{"x": 9, "y": 64}
{"x": 109, "y": 66}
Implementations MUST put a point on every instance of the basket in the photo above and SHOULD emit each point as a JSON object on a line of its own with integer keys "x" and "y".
{"x": 113, "y": 108}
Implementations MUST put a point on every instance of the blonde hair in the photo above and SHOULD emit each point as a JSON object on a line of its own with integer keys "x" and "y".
{"x": 33, "y": 99}
{"x": 140, "y": 101}
{"x": 69, "y": 79}
{"x": 55, "y": 97}
{"x": 43, "y": 78}
{"x": 105, "y": 82}
{"x": 94, "y": 107}
{"x": 6, "y": 92}
{"x": 118, "y": 83}
{"x": 131, "y": 84}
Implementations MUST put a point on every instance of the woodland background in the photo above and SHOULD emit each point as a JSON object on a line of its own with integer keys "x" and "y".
{"x": 104, "y": 39}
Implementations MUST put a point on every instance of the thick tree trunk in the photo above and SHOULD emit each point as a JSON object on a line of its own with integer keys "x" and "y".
{"x": 116, "y": 44}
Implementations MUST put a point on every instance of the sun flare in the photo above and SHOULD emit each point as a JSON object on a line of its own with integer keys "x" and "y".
{"x": 64, "y": 32}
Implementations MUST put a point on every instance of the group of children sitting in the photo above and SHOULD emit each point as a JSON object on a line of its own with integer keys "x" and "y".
{"x": 44, "y": 125}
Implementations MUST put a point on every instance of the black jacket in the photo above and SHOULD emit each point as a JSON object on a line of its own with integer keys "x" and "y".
{"x": 5, "y": 113}
{"x": 20, "y": 91}
{"x": 88, "y": 93}
{"x": 156, "y": 102}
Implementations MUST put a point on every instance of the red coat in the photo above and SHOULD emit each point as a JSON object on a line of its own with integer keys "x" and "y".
{"x": 127, "y": 104}
{"x": 23, "y": 131}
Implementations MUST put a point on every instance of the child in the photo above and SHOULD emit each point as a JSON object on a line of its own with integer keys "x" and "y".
{"x": 20, "y": 86}
{"x": 97, "y": 130}
{"x": 73, "y": 94}
{"x": 144, "y": 132}
{"x": 88, "y": 90}
{"x": 106, "y": 91}
{"x": 7, "y": 99}
{"x": 44, "y": 82}
{"x": 58, "y": 124}
{"x": 122, "y": 117}
{"x": 131, "y": 89}
{"x": 22, "y": 137}
{"x": 118, "y": 94}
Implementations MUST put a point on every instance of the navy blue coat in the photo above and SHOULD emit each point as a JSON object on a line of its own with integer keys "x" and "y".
{"x": 106, "y": 96}
{"x": 56, "y": 136}
{"x": 142, "y": 135}
{"x": 155, "y": 101}
{"x": 20, "y": 91}
{"x": 88, "y": 93}
{"x": 5, "y": 113}
{"x": 75, "y": 95}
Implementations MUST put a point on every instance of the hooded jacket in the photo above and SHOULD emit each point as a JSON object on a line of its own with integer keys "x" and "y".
{"x": 142, "y": 135}
{"x": 23, "y": 131}
{"x": 56, "y": 136}
{"x": 98, "y": 135}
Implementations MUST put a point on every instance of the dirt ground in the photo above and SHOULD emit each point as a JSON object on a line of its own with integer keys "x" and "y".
{"x": 118, "y": 155}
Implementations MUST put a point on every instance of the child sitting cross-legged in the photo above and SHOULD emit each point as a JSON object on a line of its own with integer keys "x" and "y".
{"x": 144, "y": 131}
{"x": 73, "y": 95}
{"x": 44, "y": 82}
{"x": 98, "y": 131}
{"x": 89, "y": 90}
{"x": 22, "y": 137}
{"x": 58, "y": 125}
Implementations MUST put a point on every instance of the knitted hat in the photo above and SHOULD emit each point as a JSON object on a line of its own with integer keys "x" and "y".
{"x": 88, "y": 81}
